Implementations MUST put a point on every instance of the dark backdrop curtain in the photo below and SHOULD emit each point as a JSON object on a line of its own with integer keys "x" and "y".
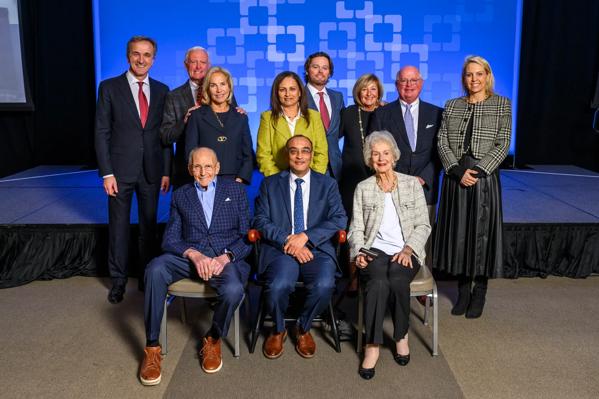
{"x": 559, "y": 64}
{"x": 58, "y": 48}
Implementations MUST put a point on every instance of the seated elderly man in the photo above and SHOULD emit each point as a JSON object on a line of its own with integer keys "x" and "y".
{"x": 388, "y": 231}
{"x": 205, "y": 238}
{"x": 298, "y": 211}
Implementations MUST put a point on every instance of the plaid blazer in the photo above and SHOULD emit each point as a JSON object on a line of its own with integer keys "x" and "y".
{"x": 491, "y": 131}
{"x": 410, "y": 205}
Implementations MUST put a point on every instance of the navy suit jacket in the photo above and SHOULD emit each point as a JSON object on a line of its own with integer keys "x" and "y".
{"x": 123, "y": 147}
{"x": 187, "y": 228}
{"x": 424, "y": 161}
{"x": 235, "y": 154}
{"x": 337, "y": 104}
{"x": 272, "y": 217}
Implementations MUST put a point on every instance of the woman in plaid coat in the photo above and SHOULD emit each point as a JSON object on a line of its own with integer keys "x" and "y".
{"x": 473, "y": 140}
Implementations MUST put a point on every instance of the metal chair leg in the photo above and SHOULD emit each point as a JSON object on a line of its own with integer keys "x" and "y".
{"x": 334, "y": 329}
{"x": 360, "y": 320}
{"x": 163, "y": 338}
{"x": 427, "y": 304}
{"x": 236, "y": 331}
{"x": 435, "y": 320}
{"x": 258, "y": 323}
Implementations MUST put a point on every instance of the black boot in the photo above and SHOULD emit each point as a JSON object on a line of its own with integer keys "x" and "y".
{"x": 464, "y": 284}
{"x": 477, "y": 303}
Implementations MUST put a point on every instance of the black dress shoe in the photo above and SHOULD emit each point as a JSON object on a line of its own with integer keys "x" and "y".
{"x": 402, "y": 360}
{"x": 116, "y": 294}
{"x": 367, "y": 374}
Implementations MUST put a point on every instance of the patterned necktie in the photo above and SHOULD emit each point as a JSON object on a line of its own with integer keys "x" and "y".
{"x": 409, "y": 121}
{"x": 143, "y": 105}
{"x": 199, "y": 96}
{"x": 324, "y": 112}
{"x": 298, "y": 208}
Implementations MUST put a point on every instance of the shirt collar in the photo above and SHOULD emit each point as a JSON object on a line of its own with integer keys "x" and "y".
{"x": 133, "y": 80}
{"x": 314, "y": 91}
{"x": 194, "y": 85}
{"x": 414, "y": 104}
{"x": 211, "y": 186}
{"x": 305, "y": 178}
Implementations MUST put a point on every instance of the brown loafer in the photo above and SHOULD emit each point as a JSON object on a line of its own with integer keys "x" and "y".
{"x": 273, "y": 346}
{"x": 305, "y": 345}
{"x": 149, "y": 372}
{"x": 212, "y": 360}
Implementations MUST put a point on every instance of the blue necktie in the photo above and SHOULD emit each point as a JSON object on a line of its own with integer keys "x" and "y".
{"x": 298, "y": 208}
{"x": 409, "y": 121}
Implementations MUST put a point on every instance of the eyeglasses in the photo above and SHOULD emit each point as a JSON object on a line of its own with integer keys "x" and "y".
{"x": 296, "y": 151}
{"x": 406, "y": 82}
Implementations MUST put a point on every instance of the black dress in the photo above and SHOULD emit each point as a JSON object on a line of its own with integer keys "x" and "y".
{"x": 354, "y": 170}
{"x": 468, "y": 235}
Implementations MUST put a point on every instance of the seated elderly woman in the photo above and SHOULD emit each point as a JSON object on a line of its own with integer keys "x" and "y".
{"x": 388, "y": 231}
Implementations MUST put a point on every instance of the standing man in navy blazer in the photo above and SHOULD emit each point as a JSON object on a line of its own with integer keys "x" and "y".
{"x": 205, "y": 237}
{"x": 297, "y": 213}
{"x": 318, "y": 69}
{"x": 131, "y": 157}
{"x": 415, "y": 134}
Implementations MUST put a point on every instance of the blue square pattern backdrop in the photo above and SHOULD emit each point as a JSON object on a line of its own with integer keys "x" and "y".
{"x": 257, "y": 39}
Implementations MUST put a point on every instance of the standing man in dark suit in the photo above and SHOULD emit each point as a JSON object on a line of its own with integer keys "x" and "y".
{"x": 205, "y": 238}
{"x": 297, "y": 213}
{"x": 177, "y": 108}
{"x": 318, "y": 69}
{"x": 131, "y": 157}
{"x": 414, "y": 125}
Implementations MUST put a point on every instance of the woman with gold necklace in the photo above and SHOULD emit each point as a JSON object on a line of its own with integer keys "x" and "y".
{"x": 220, "y": 126}
{"x": 473, "y": 140}
{"x": 387, "y": 234}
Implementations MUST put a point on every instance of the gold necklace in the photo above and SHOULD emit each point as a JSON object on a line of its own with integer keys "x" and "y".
{"x": 386, "y": 187}
{"x": 360, "y": 123}
{"x": 218, "y": 119}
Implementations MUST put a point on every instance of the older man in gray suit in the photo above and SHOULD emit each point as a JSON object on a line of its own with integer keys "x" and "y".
{"x": 178, "y": 106}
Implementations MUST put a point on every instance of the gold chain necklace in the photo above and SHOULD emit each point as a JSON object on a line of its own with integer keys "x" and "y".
{"x": 218, "y": 119}
{"x": 360, "y": 123}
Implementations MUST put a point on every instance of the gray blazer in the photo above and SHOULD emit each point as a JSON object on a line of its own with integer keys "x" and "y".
{"x": 369, "y": 204}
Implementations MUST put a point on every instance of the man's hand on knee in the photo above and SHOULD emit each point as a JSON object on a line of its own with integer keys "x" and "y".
{"x": 304, "y": 255}
{"x": 295, "y": 243}
{"x": 219, "y": 263}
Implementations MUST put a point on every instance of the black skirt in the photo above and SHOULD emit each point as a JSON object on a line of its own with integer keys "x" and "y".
{"x": 468, "y": 237}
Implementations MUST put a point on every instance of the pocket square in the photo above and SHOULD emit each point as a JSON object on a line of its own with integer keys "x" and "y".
{"x": 227, "y": 199}
{"x": 429, "y": 125}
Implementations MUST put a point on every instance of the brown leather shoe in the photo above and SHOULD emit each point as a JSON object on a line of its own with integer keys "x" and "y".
{"x": 149, "y": 373}
{"x": 273, "y": 346}
{"x": 305, "y": 345}
{"x": 212, "y": 360}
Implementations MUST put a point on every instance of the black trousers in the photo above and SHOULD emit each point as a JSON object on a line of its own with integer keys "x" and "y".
{"x": 385, "y": 284}
{"x": 119, "y": 210}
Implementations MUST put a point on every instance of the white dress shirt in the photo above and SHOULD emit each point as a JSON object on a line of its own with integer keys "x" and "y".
{"x": 135, "y": 88}
{"x": 194, "y": 90}
{"x": 305, "y": 196}
{"x": 389, "y": 238}
{"x": 414, "y": 111}
{"x": 327, "y": 100}
{"x": 291, "y": 122}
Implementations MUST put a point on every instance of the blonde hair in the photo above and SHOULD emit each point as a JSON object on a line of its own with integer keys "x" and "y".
{"x": 364, "y": 81}
{"x": 206, "y": 85}
{"x": 476, "y": 59}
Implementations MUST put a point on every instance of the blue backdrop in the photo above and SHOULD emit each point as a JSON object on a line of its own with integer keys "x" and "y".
{"x": 256, "y": 39}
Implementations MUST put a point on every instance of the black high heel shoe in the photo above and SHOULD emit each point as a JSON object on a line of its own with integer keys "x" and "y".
{"x": 367, "y": 374}
{"x": 402, "y": 360}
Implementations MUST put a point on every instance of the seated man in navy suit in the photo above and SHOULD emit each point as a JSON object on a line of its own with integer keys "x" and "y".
{"x": 205, "y": 237}
{"x": 297, "y": 213}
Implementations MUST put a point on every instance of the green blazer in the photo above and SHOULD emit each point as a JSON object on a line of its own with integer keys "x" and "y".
{"x": 270, "y": 151}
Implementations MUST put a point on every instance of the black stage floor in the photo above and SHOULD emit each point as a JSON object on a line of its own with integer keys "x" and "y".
{"x": 551, "y": 215}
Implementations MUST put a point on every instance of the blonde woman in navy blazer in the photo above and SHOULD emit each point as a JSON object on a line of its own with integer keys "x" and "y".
{"x": 218, "y": 125}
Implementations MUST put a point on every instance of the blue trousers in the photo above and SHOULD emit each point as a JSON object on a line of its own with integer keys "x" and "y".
{"x": 281, "y": 275}
{"x": 168, "y": 268}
